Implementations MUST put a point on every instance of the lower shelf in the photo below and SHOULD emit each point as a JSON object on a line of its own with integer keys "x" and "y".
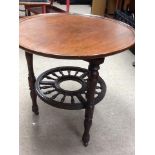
{"x": 49, "y": 89}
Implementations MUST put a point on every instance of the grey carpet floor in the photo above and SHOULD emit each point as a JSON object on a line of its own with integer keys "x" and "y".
{"x": 58, "y": 132}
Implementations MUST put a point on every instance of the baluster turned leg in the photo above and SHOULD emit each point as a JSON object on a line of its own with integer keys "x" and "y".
{"x": 31, "y": 80}
{"x": 27, "y": 11}
{"x": 92, "y": 81}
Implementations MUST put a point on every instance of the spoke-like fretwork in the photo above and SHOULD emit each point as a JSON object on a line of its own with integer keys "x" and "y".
{"x": 45, "y": 87}
{"x": 55, "y": 95}
{"x": 72, "y": 100}
{"x": 76, "y": 73}
{"x": 49, "y": 77}
{"x": 49, "y": 92}
{"x": 63, "y": 99}
{"x": 61, "y": 73}
{"x": 81, "y": 98}
{"x": 97, "y": 92}
{"x": 98, "y": 87}
{"x": 69, "y": 72}
{"x": 46, "y": 82}
{"x": 83, "y": 75}
{"x": 85, "y": 80}
{"x": 55, "y": 75}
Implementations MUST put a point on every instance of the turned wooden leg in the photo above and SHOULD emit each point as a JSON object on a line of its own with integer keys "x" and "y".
{"x": 92, "y": 81}
{"x": 27, "y": 12}
{"x": 31, "y": 80}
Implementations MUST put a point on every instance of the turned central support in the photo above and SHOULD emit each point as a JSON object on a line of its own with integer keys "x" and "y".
{"x": 93, "y": 75}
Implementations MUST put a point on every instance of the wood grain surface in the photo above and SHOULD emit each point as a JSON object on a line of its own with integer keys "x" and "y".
{"x": 74, "y": 36}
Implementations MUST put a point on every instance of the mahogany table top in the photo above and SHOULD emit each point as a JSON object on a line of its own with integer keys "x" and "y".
{"x": 74, "y": 36}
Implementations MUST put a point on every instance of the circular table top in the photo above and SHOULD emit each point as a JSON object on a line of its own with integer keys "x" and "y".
{"x": 74, "y": 36}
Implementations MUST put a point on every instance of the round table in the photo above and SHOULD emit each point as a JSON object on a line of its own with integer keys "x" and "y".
{"x": 72, "y": 36}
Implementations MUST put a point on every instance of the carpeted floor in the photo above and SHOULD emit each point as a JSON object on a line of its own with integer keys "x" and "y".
{"x": 59, "y": 132}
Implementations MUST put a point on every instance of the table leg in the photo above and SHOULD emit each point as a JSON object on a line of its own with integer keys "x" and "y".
{"x": 92, "y": 81}
{"x": 32, "y": 79}
{"x": 27, "y": 11}
{"x": 67, "y": 5}
{"x": 43, "y": 8}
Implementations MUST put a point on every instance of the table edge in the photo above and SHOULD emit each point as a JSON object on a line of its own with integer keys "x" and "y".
{"x": 79, "y": 57}
{"x": 75, "y": 57}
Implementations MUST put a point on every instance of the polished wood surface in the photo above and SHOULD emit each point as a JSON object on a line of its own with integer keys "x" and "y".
{"x": 74, "y": 36}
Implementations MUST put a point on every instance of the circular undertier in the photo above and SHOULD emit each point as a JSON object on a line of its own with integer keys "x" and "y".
{"x": 49, "y": 87}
